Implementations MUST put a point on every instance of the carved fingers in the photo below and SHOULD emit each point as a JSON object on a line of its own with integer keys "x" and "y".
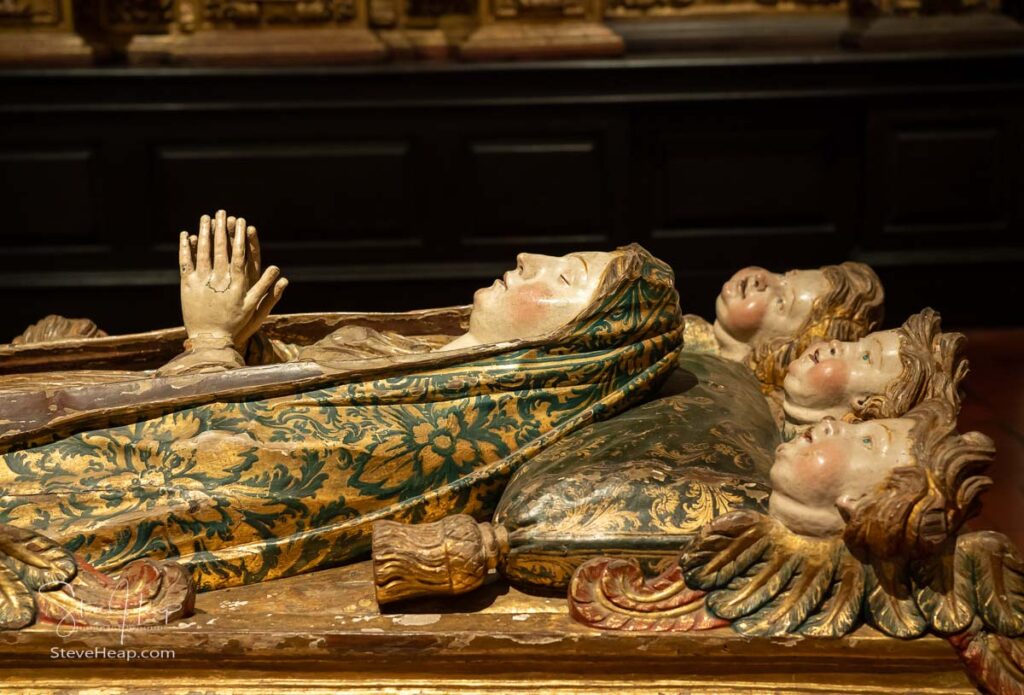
{"x": 264, "y": 296}
{"x": 203, "y": 246}
{"x": 238, "y": 247}
{"x": 262, "y": 286}
{"x": 252, "y": 267}
{"x": 185, "y": 260}
{"x": 223, "y": 291}
{"x": 220, "y": 245}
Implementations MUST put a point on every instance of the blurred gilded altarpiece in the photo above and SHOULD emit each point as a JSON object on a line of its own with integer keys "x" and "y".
{"x": 268, "y": 32}
{"x": 40, "y": 31}
{"x": 234, "y": 32}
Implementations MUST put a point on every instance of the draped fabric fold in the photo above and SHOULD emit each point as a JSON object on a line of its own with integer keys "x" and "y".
{"x": 242, "y": 487}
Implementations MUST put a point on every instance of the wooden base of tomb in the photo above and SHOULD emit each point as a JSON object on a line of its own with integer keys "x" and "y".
{"x": 324, "y": 633}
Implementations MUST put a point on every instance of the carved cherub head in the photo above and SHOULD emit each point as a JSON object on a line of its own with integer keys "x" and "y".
{"x": 864, "y": 525}
{"x": 768, "y": 318}
{"x": 882, "y": 375}
{"x": 891, "y": 486}
{"x": 924, "y": 502}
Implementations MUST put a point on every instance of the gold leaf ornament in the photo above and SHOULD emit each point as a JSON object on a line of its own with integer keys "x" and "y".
{"x": 998, "y": 573}
{"x": 944, "y": 592}
{"x": 890, "y": 605}
{"x": 17, "y": 605}
{"x": 38, "y": 561}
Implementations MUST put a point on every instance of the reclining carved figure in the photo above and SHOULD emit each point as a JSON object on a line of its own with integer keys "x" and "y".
{"x": 247, "y": 473}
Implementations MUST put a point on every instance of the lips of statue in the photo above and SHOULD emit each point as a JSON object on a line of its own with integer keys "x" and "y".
{"x": 834, "y": 464}
{"x": 756, "y": 304}
{"x": 835, "y": 375}
{"x": 542, "y": 294}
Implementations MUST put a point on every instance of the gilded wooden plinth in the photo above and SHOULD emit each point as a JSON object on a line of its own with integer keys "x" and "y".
{"x": 324, "y": 633}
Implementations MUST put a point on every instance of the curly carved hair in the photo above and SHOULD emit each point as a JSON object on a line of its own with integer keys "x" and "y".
{"x": 934, "y": 365}
{"x": 851, "y": 309}
{"x": 922, "y": 505}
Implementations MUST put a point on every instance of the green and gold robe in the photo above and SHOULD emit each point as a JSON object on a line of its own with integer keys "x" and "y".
{"x": 271, "y": 471}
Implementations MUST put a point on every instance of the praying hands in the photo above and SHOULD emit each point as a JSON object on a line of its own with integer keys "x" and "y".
{"x": 224, "y": 298}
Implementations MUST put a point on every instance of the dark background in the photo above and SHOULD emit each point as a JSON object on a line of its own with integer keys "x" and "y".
{"x": 407, "y": 186}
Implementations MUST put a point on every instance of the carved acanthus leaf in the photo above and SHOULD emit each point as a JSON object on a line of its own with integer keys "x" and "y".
{"x": 890, "y": 605}
{"x": 841, "y": 610}
{"x": 995, "y": 663}
{"x": 17, "y": 607}
{"x": 998, "y": 573}
{"x": 790, "y": 607}
{"x": 614, "y": 595}
{"x": 143, "y": 593}
{"x": 725, "y": 549}
{"x": 41, "y": 580}
{"x": 944, "y": 592}
{"x": 39, "y": 561}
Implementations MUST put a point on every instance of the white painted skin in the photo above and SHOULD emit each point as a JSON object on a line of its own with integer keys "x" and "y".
{"x": 541, "y": 295}
{"x": 831, "y": 465}
{"x": 831, "y": 378}
{"x": 756, "y": 305}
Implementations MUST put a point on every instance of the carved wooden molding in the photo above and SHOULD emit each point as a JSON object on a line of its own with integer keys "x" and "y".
{"x": 746, "y": 570}
{"x": 42, "y": 582}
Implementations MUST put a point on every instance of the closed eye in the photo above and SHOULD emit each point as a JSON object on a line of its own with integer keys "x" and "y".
{"x": 564, "y": 279}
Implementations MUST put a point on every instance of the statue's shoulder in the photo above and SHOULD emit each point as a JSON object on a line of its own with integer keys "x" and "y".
{"x": 699, "y": 335}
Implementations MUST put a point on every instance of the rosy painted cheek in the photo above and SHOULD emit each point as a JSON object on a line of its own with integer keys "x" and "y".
{"x": 528, "y": 304}
{"x": 829, "y": 377}
{"x": 747, "y": 314}
{"x": 820, "y": 469}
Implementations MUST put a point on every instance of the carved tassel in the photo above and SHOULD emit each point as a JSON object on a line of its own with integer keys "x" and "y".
{"x": 446, "y": 558}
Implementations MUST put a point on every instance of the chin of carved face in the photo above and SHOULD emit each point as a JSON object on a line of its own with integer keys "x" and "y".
{"x": 835, "y": 463}
{"x": 834, "y": 373}
{"x": 542, "y": 294}
{"x": 756, "y": 304}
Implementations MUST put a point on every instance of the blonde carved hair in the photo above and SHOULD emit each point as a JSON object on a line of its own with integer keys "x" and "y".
{"x": 923, "y": 505}
{"x": 934, "y": 365}
{"x": 851, "y": 309}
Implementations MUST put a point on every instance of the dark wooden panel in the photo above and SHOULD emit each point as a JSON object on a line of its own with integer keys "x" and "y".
{"x": 537, "y": 191}
{"x": 401, "y": 186}
{"x": 312, "y": 195}
{"x": 739, "y": 187}
{"x": 739, "y": 182}
{"x": 946, "y": 181}
{"x": 49, "y": 197}
{"x": 945, "y": 177}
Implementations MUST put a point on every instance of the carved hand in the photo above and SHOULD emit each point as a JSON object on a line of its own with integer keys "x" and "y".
{"x": 224, "y": 299}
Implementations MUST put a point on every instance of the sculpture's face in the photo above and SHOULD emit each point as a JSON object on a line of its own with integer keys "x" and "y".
{"x": 834, "y": 464}
{"x": 834, "y": 374}
{"x": 756, "y": 304}
{"x": 541, "y": 295}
